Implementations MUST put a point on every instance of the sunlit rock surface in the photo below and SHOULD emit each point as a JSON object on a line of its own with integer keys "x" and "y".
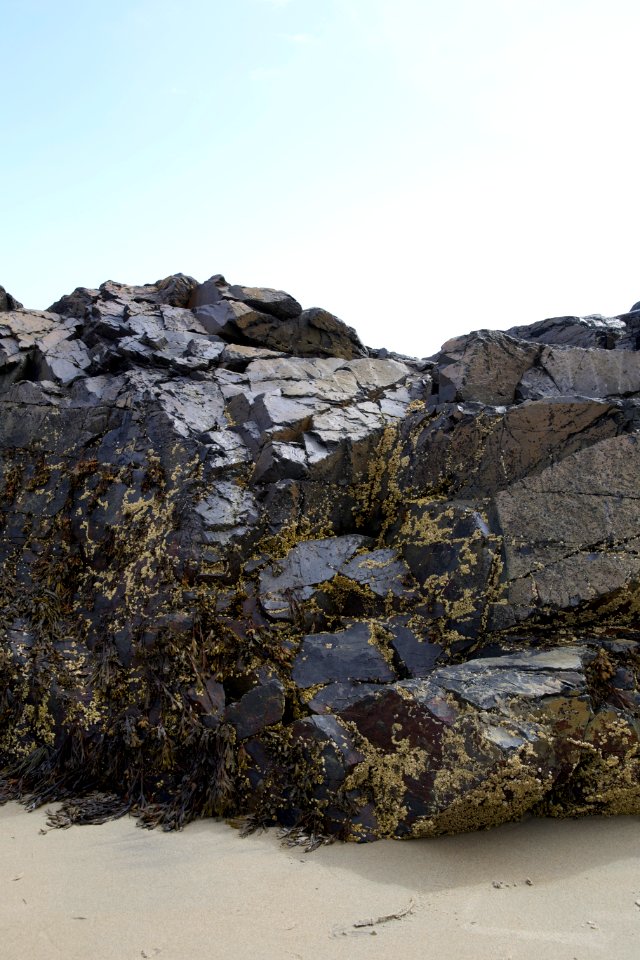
{"x": 252, "y": 568}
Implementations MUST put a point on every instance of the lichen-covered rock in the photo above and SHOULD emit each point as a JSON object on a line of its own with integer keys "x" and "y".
{"x": 251, "y": 568}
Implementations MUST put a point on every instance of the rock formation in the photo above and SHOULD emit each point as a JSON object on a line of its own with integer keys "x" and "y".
{"x": 251, "y": 568}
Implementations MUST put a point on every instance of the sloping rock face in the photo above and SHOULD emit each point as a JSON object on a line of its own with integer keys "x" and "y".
{"x": 251, "y": 568}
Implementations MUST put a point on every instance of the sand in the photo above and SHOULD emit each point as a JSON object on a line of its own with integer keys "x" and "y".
{"x": 540, "y": 890}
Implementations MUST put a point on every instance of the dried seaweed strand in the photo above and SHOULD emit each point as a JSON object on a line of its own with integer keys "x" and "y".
{"x": 374, "y": 921}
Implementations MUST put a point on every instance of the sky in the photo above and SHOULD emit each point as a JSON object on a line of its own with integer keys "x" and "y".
{"x": 420, "y": 168}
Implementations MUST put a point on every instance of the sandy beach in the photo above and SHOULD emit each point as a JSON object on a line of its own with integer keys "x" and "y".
{"x": 540, "y": 890}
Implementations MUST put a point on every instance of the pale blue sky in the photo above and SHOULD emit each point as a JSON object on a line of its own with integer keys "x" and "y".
{"x": 420, "y": 168}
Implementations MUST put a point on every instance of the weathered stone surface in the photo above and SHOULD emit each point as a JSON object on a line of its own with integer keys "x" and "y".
{"x": 572, "y": 533}
{"x": 75, "y": 304}
{"x": 415, "y": 652}
{"x": 273, "y": 319}
{"x": 260, "y": 707}
{"x": 336, "y": 696}
{"x": 274, "y": 302}
{"x": 250, "y": 567}
{"x": 565, "y": 372}
{"x": 592, "y": 331}
{"x": 350, "y": 654}
{"x": 470, "y": 452}
{"x": 216, "y": 290}
{"x": 7, "y": 302}
{"x": 485, "y": 367}
{"x": 311, "y": 562}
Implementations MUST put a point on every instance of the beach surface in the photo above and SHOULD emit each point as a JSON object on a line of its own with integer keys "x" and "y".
{"x": 539, "y": 890}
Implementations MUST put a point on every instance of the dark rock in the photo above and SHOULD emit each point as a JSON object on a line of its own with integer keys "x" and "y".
{"x": 571, "y": 534}
{"x": 76, "y": 304}
{"x": 278, "y": 461}
{"x": 273, "y": 319}
{"x": 564, "y": 372}
{"x": 494, "y": 682}
{"x": 314, "y": 333}
{"x": 335, "y": 697}
{"x": 251, "y": 568}
{"x": 176, "y": 291}
{"x": 260, "y": 707}
{"x": 290, "y": 582}
{"x": 62, "y": 359}
{"x": 351, "y": 654}
{"x": 210, "y": 698}
{"x": 324, "y": 335}
{"x": 7, "y": 302}
{"x": 573, "y": 332}
{"x": 484, "y": 366}
{"x": 472, "y": 452}
{"x": 273, "y": 302}
{"x": 417, "y": 654}
{"x": 381, "y": 571}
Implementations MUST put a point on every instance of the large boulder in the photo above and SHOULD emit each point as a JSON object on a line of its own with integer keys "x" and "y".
{"x": 272, "y": 318}
{"x": 251, "y": 568}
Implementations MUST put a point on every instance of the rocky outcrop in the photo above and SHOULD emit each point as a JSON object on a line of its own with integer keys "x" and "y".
{"x": 271, "y": 318}
{"x": 251, "y": 568}
{"x": 7, "y": 302}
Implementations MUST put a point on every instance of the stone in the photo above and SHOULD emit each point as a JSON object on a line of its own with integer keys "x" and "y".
{"x": 260, "y": 707}
{"x": 63, "y": 360}
{"x": 274, "y": 302}
{"x": 288, "y": 585}
{"x": 227, "y": 511}
{"x": 325, "y": 335}
{"x": 253, "y": 568}
{"x": 350, "y": 654}
{"x": 7, "y": 302}
{"x": 493, "y": 682}
{"x": 210, "y": 698}
{"x": 272, "y": 319}
{"x": 382, "y": 571}
{"x": 486, "y": 367}
{"x": 585, "y": 332}
{"x": 311, "y": 562}
{"x": 279, "y": 461}
{"x": 473, "y": 452}
{"x": 416, "y": 654}
{"x": 77, "y": 304}
{"x": 581, "y": 372}
{"x": 176, "y": 291}
{"x": 571, "y": 533}
{"x": 335, "y": 697}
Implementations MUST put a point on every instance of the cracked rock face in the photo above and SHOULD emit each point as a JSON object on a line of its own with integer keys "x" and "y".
{"x": 252, "y": 568}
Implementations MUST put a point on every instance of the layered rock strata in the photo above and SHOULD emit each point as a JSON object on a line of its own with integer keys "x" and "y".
{"x": 251, "y": 568}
